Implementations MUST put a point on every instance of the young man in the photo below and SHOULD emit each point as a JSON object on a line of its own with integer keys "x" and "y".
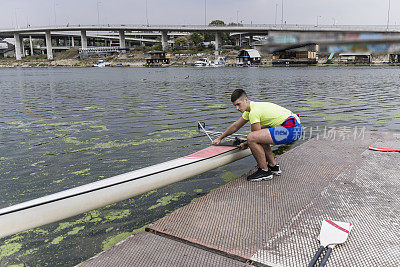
{"x": 271, "y": 124}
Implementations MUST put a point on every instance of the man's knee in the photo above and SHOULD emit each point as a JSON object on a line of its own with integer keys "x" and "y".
{"x": 251, "y": 138}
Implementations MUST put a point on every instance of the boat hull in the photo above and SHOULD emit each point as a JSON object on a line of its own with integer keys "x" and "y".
{"x": 95, "y": 195}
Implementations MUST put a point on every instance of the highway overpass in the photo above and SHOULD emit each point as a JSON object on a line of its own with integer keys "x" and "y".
{"x": 137, "y": 33}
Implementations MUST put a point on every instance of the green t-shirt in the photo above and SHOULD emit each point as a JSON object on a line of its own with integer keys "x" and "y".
{"x": 266, "y": 113}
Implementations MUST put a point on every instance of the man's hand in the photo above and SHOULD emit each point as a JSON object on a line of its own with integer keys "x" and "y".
{"x": 244, "y": 145}
{"x": 217, "y": 141}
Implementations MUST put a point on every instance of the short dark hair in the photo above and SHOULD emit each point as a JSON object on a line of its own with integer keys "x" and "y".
{"x": 238, "y": 93}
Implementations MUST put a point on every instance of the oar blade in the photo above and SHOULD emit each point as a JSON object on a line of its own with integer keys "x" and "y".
{"x": 334, "y": 232}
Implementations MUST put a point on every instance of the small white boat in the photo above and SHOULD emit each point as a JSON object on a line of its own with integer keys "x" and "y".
{"x": 101, "y": 64}
{"x": 203, "y": 62}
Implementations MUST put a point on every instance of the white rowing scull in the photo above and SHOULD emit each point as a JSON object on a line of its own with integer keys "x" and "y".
{"x": 68, "y": 203}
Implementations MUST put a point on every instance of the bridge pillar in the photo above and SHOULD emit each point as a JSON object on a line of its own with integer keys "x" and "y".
{"x": 23, "y": 47}
{"x": 164, "y": 40}
{"x": 49, "y": 45}
{"x": 17, "y": 39}
{"x": 218, "y": 41}
{"x": 122, "y": 43}
{"x": 83, "y": 39}
{"x": 31, "y": 44}
{"x": 250, "y": 39}
{"x": 72, "y": 41}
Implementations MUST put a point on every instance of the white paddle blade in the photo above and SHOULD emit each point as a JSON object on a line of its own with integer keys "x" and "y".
{"x": 334, "y": 232}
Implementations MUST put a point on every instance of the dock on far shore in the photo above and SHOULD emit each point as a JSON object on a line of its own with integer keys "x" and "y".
{"x": 277, "y": 222}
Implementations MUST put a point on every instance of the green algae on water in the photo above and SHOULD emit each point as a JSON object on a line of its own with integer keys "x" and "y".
{"x": 36, "y": 163}
{"x": 76, "y": 230}
{"x": 72, "y": 140}
{"x": 9, "y": 249}
{"x": 167, "y": 200}
{"x": 114, "y": 215}
{"x": 28, "y": 252}
{"x": 40, "y": 231}
{"x": 59, "y": 181}
{"x": 338, "y": 117}
{"x": 315, "y": 103}
{"x": 190, "y": 132}
{"x": 88, "y": 217}
{"x": 91, "y": 107}
{"x": 229, "y": 176}
{"x": 81, "y": 172}
{"x": 148, "y": 194}
{"x": 57, "y": 240}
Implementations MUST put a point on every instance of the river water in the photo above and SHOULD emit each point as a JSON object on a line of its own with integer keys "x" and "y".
{"x": 65, "y": 127}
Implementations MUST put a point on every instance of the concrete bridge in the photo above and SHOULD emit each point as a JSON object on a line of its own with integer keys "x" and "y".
{"x": 122, "y": 33}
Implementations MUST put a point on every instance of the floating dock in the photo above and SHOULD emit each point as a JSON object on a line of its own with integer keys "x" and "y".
{"x": 277, "y": 222}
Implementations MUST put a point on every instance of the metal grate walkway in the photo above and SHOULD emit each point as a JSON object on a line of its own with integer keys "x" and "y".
{"x": 277, "y": 222}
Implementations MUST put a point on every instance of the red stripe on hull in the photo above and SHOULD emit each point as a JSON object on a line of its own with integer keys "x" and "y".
{"x": 210, "y": 152}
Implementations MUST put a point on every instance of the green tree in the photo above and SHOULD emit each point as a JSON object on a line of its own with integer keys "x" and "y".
{"x": 195, "y": 39}
{"x": 208, "y": 36}
{"x": 157, "y": 46}
{"x": 181, "y": 41}
{"x": 225, "y": 37}
{"x": 217, "y": 23}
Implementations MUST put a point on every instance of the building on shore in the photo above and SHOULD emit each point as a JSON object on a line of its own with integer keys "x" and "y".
{"x": 100, "y": 51}
{"x": 157, "y": 59}
{"x": 394, "y": 57}
{"x": 6, "y": 50}
{"x": 355, "y": 58}
{"x": 296, "y": 55}
{"x": 248, "y": 57}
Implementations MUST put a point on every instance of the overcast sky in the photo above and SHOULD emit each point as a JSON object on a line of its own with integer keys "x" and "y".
{"x": 85, "y": 12}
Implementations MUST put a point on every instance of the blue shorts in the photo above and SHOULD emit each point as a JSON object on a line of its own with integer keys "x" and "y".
{"x": 286, "y": 135}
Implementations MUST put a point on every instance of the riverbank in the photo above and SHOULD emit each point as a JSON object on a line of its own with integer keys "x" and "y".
{"x": 129, "y": 59}
{"x": 137, "y": 59}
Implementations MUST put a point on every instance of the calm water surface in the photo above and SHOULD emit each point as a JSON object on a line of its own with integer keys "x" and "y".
{"x": 61, "y": 128}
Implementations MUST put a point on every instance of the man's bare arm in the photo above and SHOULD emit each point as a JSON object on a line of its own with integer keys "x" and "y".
{"x": 255, "y": 127}
{"x": 233, "y": 128}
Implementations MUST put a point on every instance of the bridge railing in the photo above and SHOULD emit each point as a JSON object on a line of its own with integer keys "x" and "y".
{"x": 389, "y": 28}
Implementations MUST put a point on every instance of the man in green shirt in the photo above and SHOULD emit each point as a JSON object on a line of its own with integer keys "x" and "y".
{"x": 271, "y": 124}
